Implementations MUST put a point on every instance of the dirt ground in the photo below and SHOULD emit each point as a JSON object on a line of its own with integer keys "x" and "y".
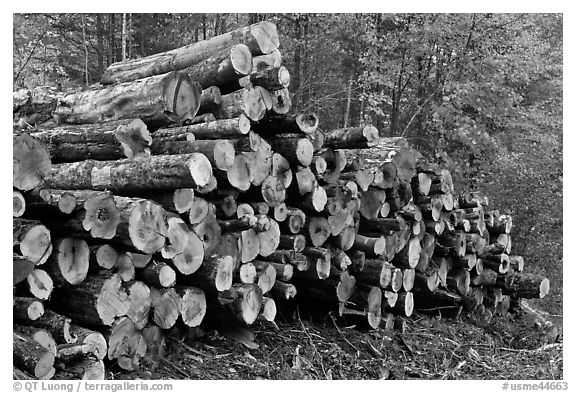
{"x": 475, "y": 346}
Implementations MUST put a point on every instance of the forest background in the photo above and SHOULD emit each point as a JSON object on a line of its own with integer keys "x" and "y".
{"x": 481, "y": 94}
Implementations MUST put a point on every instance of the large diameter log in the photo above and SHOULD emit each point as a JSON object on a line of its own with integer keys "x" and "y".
{"x": 135, "y": 175}
{"x": 31, "y": 357}
{"x": 107, "y": 141}
{"x": 261, "y": 38}
{"x": 156, "y": 100}
{"x": 222, "y": 67}
{"x": 69, "y": 262}
{"x": 36, "y": 105}
{"x": 32, "y": 240}
{"x": 30, "y": 162}
{"x": 261, "y": 62}
{"x": 248, "y": 102}
{"x": 352, "y": 138}
{"x": 98, "y": 301}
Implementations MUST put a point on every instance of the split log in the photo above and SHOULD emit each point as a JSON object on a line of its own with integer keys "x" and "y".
{"x": 98, "y": 301}
{"x": 261, "y": 38}
{"x": 31, "y": 357}
{"x": 352, "y": 138}
{"x": 69, "y": 262}
{"x": 156, "y": 100}
{"x": 30, "y": 162}
{"x": 27, "y": 309}
{"x": 248, "y": 102}
{"x": 32, "y": 240}
{"x": 133, "y": 176}
{"x": 107, "y": 141}
{"x": 222, "y": 67}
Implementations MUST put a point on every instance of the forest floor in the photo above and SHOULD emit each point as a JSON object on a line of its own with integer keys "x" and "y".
{"x": 474, "y": 346}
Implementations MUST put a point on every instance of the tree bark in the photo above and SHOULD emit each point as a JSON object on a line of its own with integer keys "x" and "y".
{"x": 248, "y": 102}
{"x": 261, "y": 38}
{"x": 156, "y": 100}
{"x": 31, "y": 357}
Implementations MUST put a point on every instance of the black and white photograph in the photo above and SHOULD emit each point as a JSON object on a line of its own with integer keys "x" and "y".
{"x": 287, "y": 196}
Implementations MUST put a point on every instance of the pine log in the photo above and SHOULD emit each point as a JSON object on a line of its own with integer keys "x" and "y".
{"x": 296, "y": 149}
{"x": 345, "y": 239}
{"x": 132, "y": 176}
{"x": 107, "y": 141}
{"x": 69, "y": 262}
{"x": 39, "y": 284}
{"x": 18, "y": 204}
{"x": 30, "y": 162}
{"x": 261, "y": 38}
{"x": 264, "y": 162}
{"x": 266, "y": 277}
{"x": 156, "y": 100}
{"x": 222, "y": 67}
{"x": 31, "y": 357}
{"x": 32, "y": 240}
{"x": 98, "y": 301}
{"x": 220, "y": 153}
{"x": 165, "y": 307}
{"x": 268, "y": 311}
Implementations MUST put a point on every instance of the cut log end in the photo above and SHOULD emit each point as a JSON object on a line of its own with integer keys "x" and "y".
{"x": 18, "y": 204}
{"x": 200, "y": 169}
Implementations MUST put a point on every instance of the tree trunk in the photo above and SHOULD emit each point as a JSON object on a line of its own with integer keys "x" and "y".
{"x": 156, "y": 100}
{"x": 107, "y": 141}
{"x": 133, "y": 176}
{"x": 261, "y": 38}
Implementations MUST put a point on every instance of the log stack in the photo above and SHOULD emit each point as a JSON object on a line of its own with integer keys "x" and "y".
{"x": 182, "y": 192}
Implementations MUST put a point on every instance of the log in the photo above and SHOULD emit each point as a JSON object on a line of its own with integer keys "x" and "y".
{"x": 43, "y": 202}
{"x": 266, "y": 277}
{"x": 155, "y": 342}
{"x": 246, "y": 273}
{"x": 371, "y": 246}
{"x": 284, "y": 271}
{"x": 300, "y": 123}
{"x": 27, "y": 308}
{"x": 192, "y": 305}
{"x": 32, "y": 240}
{"x": 261, "y": 62}
{"x": 18, "y": 204}
{"x": 38, "y": 335}
{"x": 125, "y": 268}
{"x": 317, "y": 230}
{"x": 222, "y": 67}
{"x": 369, "y": 300}
{"x": 281, "y": 101}
{"x": 190, "y": 260}
{"x": 250, "y": 245}
{"x": 268, "y": 311}
{"x": 247, "y": 102}
{"x": 107, "y": 141}
{"x": 269, "y": 239}
{"x": 30, "y": 162}
{"x": 215, "y": 274}
{"x": 165, "y": 307}
{"x": 345, "y": 239}
{"x": 84, "y": 369}
{"x": 125, "y": 344}
{"x": 156, "y": 100}
{"x": 409, "y": 256}
{"x": 525, "y": 285}
{"x": 261, "y": 38}
{"x": 132, "y": 176}
{"x": 95, "y": 339}
{"x": 352, "y": 138}
{"x": 139, "y": 303}
{"x": 283, "y": 290}
{"x": 39, "y": 284}
{"x": 220, "y": 153}
{"x": 244, "y": 301}
{"x": 404, "y": 304}
{"x": 98, "y": 301}
{"x": 516, "y": 263}
{"x": 297, "y": 150}
{"x": 292, "y": 257}
{"x": 57, "y": 325}
{"x": 459, "y": 280}
{"x": 210, "y": 100}
{"x": 69, "y": 262}
{"x": 218, "y": 129}
{"x": 206, "y": 117}
{"x": 36, "y": 105}
{"x": 31, "y": 357}
{"x": 271, "y": 79}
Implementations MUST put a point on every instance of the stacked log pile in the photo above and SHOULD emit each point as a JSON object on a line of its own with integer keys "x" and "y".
{"x": 182, "y": 191}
